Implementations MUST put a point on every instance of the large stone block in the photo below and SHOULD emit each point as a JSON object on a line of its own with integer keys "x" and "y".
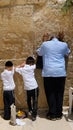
{"x": 61, "y": 1}
{"x": 4, "y": 3}
{"x": 25, "y": 2}
{"x": 30, "y": 2}
{"x": 16, "y": 22}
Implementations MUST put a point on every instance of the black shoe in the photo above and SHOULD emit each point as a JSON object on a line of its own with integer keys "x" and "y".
{"x": 48, "y": 115}
{"x": 52, "y": 118}
{"x": 59, "y": 117}
{"x": 33, "y": 118}
{"x": 5, "y": 118}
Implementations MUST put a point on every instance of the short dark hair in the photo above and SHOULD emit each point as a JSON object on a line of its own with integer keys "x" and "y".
{"x": 9, "y": 64}
{"x": 30, "y": 60}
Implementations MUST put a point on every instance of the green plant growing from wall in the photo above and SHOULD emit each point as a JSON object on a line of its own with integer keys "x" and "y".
{"x": 67, "y": 5}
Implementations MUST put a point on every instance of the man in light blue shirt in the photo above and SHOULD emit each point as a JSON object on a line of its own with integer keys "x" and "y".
{"x": 54, "y": 73}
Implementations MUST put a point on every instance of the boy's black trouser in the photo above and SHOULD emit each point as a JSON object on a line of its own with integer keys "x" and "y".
{"x": 8, "y": 98}
{"x": 32, "y": 101}
{"x": 54, "y": 90}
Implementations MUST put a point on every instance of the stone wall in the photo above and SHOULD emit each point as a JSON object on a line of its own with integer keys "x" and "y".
{"x": 22, "y": 24}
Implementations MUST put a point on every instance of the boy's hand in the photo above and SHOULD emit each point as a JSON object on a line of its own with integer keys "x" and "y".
{"x": 21, "y": 65}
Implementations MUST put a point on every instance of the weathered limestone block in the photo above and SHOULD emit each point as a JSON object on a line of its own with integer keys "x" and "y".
{"x": 25, "y": 2}
{"x": 4, "y": 3}
{"x": 61, "y": 1}
{"x": 16, "y": 30}
{"x": 16, "y": 20}
{"x": 30, "y": 2}
{"x": 15, "y": 49}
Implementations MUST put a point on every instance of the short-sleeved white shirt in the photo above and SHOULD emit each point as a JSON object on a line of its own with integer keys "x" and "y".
{"x": 8, "y": 81}
{"x": 27, "y": 73}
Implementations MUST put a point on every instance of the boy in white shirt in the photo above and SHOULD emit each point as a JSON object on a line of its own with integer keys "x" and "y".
{"x": 30, "y": 85}
{"x": 8, "y": 88}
